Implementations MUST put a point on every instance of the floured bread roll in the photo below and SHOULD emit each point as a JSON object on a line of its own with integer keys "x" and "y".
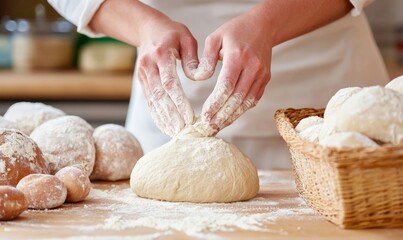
{"x": 348, "y": 140}
{"x": 376, "y": 112}
{"x": 335, "y": 103}
{"x": 66, "y": 141}
{"x": 312, "y": 133}
{"x": 4, "y": 123}
{"x": 308, "y": 122}
{"x": 396, "y": 84}
{"x": 117, "y": 151}
{"x": 19, "y": 157}
{"x": 195, "y": 168}
{"x": 27, "y": 116}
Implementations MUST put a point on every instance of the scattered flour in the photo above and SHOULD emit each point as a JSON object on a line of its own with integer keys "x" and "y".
{"x": 120, "y": 209}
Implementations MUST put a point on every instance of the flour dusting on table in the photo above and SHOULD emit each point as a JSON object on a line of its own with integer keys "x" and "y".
{"x": 120, "y": 209}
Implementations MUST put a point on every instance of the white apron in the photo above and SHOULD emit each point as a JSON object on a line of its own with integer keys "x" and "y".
{"x": 306, "y": 72}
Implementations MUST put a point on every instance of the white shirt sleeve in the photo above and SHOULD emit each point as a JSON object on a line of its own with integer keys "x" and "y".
{"x": 79, "y": 12}
{"x": 359, "y": 6}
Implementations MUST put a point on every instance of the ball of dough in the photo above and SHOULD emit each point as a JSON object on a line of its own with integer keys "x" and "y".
{"x": 78, "y": 184}
{"x": 66, "y": 141}
{"x": 312, "y": 133}
{"x": 43, "y": 191}
{"x": 396, "y": 84}
{"x": 335, "y": 102}
{"x": 308, "y": 122}
{"x": 19, "y": 157}
{"x": 4, "y": 123}
{"x": 348, "y": 140}
{"x": 12, "y": 203}
{"x": 117, "y": 151}
{"x": 28, "y": 116}
{"x": 376, "y": 112}
{"x": 193, "y": 168}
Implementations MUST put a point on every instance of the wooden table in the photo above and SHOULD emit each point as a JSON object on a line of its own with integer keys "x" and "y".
{"x": 112, "y": 211}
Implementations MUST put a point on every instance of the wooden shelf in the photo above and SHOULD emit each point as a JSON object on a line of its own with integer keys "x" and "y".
{"x": 64, "y": 85}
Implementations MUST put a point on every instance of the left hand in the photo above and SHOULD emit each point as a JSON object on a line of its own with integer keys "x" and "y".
{"x": 244, "y": 45}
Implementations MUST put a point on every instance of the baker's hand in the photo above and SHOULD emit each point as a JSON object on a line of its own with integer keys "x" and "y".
{"x": 244, "y": 46}
{"x": 162, "y": 42}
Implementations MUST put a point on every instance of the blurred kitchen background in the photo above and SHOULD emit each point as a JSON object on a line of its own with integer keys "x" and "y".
{"x": 42, "y": 58}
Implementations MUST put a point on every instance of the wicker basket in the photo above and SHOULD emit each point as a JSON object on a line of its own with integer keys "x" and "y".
{"x": 353, "y": 188}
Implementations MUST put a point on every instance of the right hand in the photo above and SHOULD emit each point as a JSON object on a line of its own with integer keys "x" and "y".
{"x": 162, "y": 41}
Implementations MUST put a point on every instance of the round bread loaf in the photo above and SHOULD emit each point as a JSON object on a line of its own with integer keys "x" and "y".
{"x": 66, "y": 141}
{"x": 19, "y": 157}
{"x": 77, "y": 183}
{"x": 43, "y": 191}
{"x": 12, "y": 203}
{"x": 4, "y": 123}
{"x": 117, "y": 151}
{"x": 28, "y": 116}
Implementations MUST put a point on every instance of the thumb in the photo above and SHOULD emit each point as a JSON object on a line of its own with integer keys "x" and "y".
{"x": 209, "y": 60}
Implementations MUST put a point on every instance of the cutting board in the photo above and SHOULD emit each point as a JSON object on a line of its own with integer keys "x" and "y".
{"x": 112, "y": 211}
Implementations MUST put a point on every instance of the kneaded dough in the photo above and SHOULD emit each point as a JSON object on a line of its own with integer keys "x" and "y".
{"x": 312, "y": 133}
{"x": 335, "y": 102}
{"x": 396, "y": 84}
{"x": 66, "y": 141}
{"x": 348, "y": 140}
{"x": 308, "y": 122}
{"x": 195, "y": 168}
{"x": 376, "y": 112}
{"x": 117, "y": 151}
{"x": 28, "y": 116}
{"x": 4, "y": 123}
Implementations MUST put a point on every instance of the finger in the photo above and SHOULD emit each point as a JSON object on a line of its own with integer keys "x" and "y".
{"x": 210, "y": 58}
{"x": 157, "y": 118}
{"x": 242, "y": 87}
{"x": 188, "y": 52}
{"x": 227, "y": 80}
{"x": 255, "y": 93}
{"x": 172, "y": 85}
{"x": 164, "y": 107}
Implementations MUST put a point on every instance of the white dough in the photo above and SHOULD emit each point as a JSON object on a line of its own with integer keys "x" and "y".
{"x": 376, "y": 112}
{"x": 4, "y": 123}
{"x": 312, "y": 133}
{"x": 27, "y": 115}
{"x": 195, "y": 168}
{"x": 396, "y": 84}
{"x": 308, "y": 122}
{"x": 348, "y": 140}
{"x": 338, "y": 100}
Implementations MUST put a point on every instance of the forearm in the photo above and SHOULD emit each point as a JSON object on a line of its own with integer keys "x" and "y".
{"x": 123, "y": 19}
{"x": 286, "y": 20}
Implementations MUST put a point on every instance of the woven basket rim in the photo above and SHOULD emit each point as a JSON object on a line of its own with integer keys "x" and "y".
{"x": 287, "y": 131}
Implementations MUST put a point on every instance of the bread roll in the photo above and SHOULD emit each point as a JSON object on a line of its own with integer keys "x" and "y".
{"x": 4, "y": 123}
{"x": 376, "y": 112}
{"x": 28, "y": 116}
{"x": 308, "y": 122}
{"x": 66, "y": 141}
{"x": 117, "y": 151}
{"x": 43, "y": 191}
{"x": 396, "y": 84}
{"x": 348, "y": 140}
{"x": 12, "y": 203}
{"x": 77, "y": 183}
{"x": 19, "y": 157}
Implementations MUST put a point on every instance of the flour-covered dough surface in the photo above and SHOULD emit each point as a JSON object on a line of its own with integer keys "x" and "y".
{"x": 376, "y": 112}
{"x": 195, "y": 168}
{"x": 396, "y": 84}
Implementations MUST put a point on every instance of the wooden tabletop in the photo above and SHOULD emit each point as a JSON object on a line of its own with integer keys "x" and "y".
{"x": 112, "y": 211}
{"x": 64, "y": 85}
